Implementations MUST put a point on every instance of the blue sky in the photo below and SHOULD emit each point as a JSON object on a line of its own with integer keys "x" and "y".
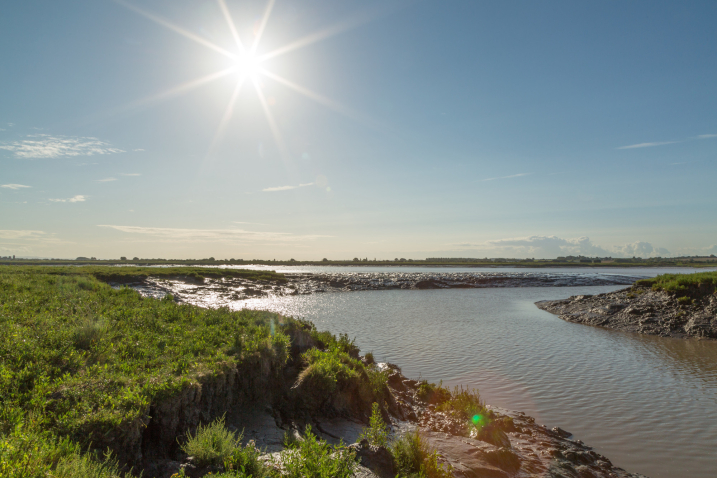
{"x": 397, "y": 129}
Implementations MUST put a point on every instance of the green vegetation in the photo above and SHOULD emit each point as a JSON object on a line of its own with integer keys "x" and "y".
{"x": 124, "y": 274}
{"x": 335, "y": 368}
{"x": 683, "y": 285}
{"x": 80, "y": 363}
{"x": 314, "y": 458}
{"x": 377, "y": 432}
{"x": 432, "y": 393}
{"x": 414, "y": 459}
{"x": 213, "y": 444}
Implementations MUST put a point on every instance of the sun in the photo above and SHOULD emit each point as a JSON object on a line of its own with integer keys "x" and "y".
{"x": 249, "y": 66}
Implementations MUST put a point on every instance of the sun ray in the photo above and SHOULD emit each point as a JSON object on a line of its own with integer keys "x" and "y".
{"x": 328, "y": 102}
{"x": 232, "y": 27}
{"x": 320, "y": 35}
{"x": 262, "y": 25}
{"x": 175, "y": 28}
{"x": 180, "y": 89}
{"x": 227, "y": 116}
{"x": 270, "y": 119}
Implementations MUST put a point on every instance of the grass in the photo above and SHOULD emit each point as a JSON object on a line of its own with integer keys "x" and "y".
{"x": 81, "y": 361}
{"x": 314, "y": 458}
{"x": 213, "y": 444}
{"x": 414, "y": 459}
{"x": 683, "y": 285}
{"x": 123, "y": 274}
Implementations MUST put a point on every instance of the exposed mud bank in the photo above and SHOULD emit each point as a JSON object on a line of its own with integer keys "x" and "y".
{"x": 217, "y": 292}
{"x": 643, "y": 310}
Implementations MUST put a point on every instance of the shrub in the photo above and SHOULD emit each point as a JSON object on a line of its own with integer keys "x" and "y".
{"x": 432, "y": 393}
{"x": 377, "y": 432}
{"x": 369, "y": 358}
{"x": 245, "y": 461}
{"x": 328, "y": 371}
{"x": 211, "y": 444}
{"x": 314, "y": 458}
{"x": 413, "y": 458}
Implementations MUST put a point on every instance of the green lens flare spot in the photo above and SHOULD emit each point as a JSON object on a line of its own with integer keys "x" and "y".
{"x": 476, "y": 419}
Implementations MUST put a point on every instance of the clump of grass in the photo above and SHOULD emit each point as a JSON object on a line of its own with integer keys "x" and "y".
{"x": 377, "y": 432}
{"x": 211, "y": 444}
{"x": 463, "y": 404}
{"x": 432, "y": 393}
{"x": 314, "y": 458}
{"x": 328, "y": 372}
{"x": 245, "y": 462}
{"x": 685, "y": 300}
{"x": 368, "y": 358}
{"x": 88, "y": 333}
{"x": 414, "y": 459}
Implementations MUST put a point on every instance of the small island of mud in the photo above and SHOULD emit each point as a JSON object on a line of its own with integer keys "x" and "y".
{"x": 689, "y": 313}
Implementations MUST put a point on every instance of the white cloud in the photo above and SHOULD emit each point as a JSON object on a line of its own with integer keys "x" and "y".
{"x": 706, "y": 136}
{"x": 78, "y": 198}
{"x": 647, "y": 145}
{"x": 14, "y": 186}
{"x": 48, "y": 146}
{"x": 106, "y": 180}
{"x": 168, "y": 234}
{"x": 138, "y": 149}
{"x": 508, "y": 177}
{"x": 21, "y": 234}
{"x": 554, "y": 246}
{"x": 285, "y": 188}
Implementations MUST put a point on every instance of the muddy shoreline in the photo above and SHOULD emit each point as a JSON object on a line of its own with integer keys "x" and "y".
{"x": 642, "y": 310}
{"x": 517, "y": 448}
{"x": 218, "y": 292}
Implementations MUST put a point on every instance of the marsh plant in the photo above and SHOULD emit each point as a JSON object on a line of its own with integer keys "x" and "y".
{"x": 414, "y": 459}
{"x": 314, "y": 458}
{"x": 377, "y": 432}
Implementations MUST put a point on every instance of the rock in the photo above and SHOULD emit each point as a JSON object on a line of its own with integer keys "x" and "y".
{"x": 504, "y": 458}
{"x": 395, "y": 382}
{"x": 376, "y": 458}
{"x": 561, "y": 433}
{"x": 468, "y": 457}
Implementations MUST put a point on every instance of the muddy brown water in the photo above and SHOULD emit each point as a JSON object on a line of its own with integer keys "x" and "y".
{"x": 648, "y": 403}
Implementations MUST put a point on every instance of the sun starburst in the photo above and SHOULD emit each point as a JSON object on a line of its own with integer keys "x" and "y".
{"x": 250, "y": 66}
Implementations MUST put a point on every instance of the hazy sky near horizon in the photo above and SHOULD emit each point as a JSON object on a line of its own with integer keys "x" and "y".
{"x": 373, "y": 129}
